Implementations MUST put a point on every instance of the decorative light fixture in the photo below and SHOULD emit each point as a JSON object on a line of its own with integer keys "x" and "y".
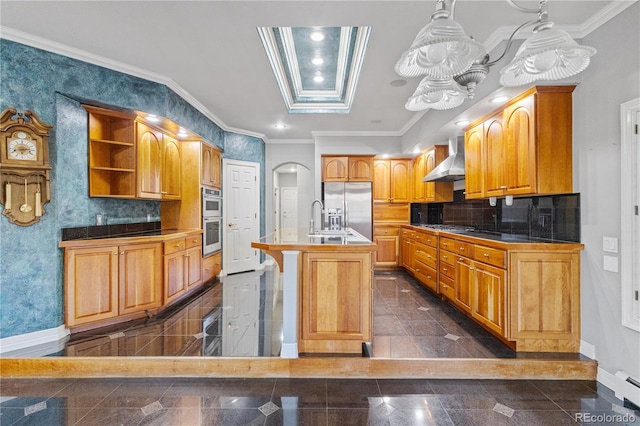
{"x": 455, "y": 63}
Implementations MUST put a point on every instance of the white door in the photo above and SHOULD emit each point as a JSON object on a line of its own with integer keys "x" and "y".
{"x": 240, "y": 314}
{"x": 289, "y": 209}
{"x": 241, "y": 217}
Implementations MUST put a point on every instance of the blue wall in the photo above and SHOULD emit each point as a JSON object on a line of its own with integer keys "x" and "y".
{"x": 54, "y": 86}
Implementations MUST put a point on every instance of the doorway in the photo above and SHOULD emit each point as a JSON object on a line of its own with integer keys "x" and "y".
{"x": 241, "y": 215}
{"x": 292, "y": 196}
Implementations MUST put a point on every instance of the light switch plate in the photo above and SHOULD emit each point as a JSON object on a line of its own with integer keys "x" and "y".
{"x": 610, "y": 263}
{"x": 610, "y": 244}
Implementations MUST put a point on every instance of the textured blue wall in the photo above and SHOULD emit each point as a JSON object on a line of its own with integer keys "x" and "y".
{"x": 54, "y": 86}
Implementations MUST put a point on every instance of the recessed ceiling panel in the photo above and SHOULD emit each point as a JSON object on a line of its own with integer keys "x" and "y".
{"x": 316, "y": 68}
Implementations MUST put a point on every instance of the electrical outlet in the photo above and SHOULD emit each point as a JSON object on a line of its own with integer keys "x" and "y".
{"x": 610, "y": 264}
{"x": 610, "y": 244}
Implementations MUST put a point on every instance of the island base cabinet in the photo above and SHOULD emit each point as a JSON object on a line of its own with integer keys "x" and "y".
{"x": 335, "y": 302}
{"x": 545, "y": 301}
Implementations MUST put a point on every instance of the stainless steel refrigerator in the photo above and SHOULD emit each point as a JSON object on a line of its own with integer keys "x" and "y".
{"x": 349, "y": 205}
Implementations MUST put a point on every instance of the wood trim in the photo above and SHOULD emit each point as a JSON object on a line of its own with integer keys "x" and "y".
{"x": 320, "y": 367}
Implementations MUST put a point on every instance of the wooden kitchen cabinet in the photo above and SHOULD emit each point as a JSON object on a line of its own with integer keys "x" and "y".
{"x": 406, "y": 243}
{"x": 211, "y": 166}
{"x": 112, "y": 153}
{"x": 159, "y": 164}
{"x": 106, "y": 282}
{"x": 392, "y": 181}
{"x": 182, "y": 267}
{"x": 347, "y": 169}
{"x": 335, "y": 169}
{"x": 387, "y": 238}
{"x": 525, "y": 147}
{"x": 211, "y": 266}
{"x": 423, "y": 164}
{"x": 489, "y": 293}
{"x": 335, "y": 301}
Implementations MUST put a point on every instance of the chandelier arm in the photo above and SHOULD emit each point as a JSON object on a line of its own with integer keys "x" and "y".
{"x": 510, "y": 41}
{"x": 513, "y": 4}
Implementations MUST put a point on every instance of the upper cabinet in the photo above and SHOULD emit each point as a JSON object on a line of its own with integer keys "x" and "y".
{"x": 391, "y": 181}
{"x": 524, "y": 148}
{"x": 210, "y": 173}
{"x": 423, "y": 164}
{"x": 158, "y": 164}
{"x": 112, "y": 153}
{"x": 347, "y": 169}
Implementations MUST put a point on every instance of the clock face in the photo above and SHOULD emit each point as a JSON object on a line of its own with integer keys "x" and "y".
{"x": 22, "y": 148}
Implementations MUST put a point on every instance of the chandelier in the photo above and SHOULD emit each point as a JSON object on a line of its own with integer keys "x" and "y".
{"x": 454, "y": 63}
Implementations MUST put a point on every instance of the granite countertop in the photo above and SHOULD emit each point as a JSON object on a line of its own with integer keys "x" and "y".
{"x": 156, "y": 235}
{"x": 301, "y": 237}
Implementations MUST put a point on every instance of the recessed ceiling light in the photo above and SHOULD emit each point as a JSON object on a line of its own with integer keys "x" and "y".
{"x": 416, "y": 150}
{"x": 317, "y": 61}
{"x": 317, "y": 36}
{"x": 182, "y": 133}
{"x": 499, "y": 99}
{"x": 279, "y": 126}
{"x": 398, "y": 83}
{"x": 385, "y": 155}
{"x": 318, "y": 78}
{"x": 462, "y": 122}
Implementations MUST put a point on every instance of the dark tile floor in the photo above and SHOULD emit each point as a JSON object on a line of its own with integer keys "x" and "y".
{"x": 98, "y": 402}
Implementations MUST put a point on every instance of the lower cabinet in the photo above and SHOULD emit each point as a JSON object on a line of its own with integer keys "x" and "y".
{"x": 335, "y": 302}
{"x": 108, "y": 281}
{"x": 211, "y": 266}
{"x": 182, "y": 267}
{"x": 387, "y": 238}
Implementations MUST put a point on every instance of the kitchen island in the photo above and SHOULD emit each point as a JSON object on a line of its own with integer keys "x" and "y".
{"x": 327, "y": 296}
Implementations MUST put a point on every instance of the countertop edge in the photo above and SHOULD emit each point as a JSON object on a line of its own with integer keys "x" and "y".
{"x": 167, "y": 234}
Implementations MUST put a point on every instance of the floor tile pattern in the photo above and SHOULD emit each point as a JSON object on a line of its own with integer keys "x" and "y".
{"x": 309, "y": 402}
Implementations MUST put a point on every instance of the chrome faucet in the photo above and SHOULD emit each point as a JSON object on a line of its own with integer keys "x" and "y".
{"x": 312, "y": 229}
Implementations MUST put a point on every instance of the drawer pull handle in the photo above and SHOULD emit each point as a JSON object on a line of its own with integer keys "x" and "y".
{"x": 461, "y": 248}
{"x": 177, "y": 246}
{"x": 461, "y": 259}
{"x": 417, "y": 270}
{"x": 445, "y": 257}
{"x": 486, "y": 255}
{"x": 429, "y": 277}
{"x": 472, "y": 269}
{"x": 121, "y": 252}
{"x": 503, "y": 187}
{"x": 115, "y": 253}
{"x": 444, "y": 269}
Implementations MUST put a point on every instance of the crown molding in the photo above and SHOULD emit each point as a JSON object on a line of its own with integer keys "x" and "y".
{"x": 82, "y": 55}
{"x": 291, "y": 141}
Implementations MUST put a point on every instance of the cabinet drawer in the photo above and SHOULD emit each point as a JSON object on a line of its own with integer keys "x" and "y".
{"x": 194, "y": 241}
{"x": 426, "y": 275}
{"x": 408, "y": 234}
{"x": 174, "y": 245}
{"x": 425, "y": 254}
{"x": 447, "y": 270}
{"x": 211, "y": 266}
{"x": 447, "y": 257}
{"x": 386, "y": 230}
{"x": 492, "y": 256}
{"x": 455, "y": 246}
{"x": 428, "y": 239}
{"x": 447, "y": 287}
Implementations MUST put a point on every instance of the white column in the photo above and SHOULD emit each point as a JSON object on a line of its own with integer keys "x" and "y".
{"x": 290, "y": 304}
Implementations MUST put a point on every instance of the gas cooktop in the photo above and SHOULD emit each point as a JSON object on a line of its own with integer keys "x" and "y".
{"x": 449, "y": 228}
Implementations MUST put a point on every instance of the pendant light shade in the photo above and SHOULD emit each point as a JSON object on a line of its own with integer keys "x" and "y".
{"x": 440, "y": 50}
{"x": 436, "y": 94}
{"x": 549, "y": 54}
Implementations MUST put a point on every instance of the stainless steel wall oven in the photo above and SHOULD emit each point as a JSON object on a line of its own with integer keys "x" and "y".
{"x": 211, "y": 221}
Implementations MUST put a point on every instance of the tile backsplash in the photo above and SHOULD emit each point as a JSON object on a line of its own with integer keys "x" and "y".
{"x": 552, "y": 217}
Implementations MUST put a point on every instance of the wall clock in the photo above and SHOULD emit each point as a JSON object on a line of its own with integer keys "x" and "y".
{"x": 24, "y": 166}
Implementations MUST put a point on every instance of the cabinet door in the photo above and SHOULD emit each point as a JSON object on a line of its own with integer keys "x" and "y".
{"x": 488, "y": 305}
{"x": 216, "y": 164}
{"x": 206, "y": 161}
{"x": 174, "y": 276}
{"x": 400, "y": 181}
{"x": 140, "y": 277}
{"x": 91, "y": 285}
{"x": 171, "y": 176}
{"x": 193, "y": 267}
{"x": 494, "y": 180}
{"x": 387, "y": 253}
{"x": 419, "y": 171}
{"x": 149, "y": 162}
{"x": 520, "y": 147}
{"x": 381, "y": 181}
{"x": 211, "y": 266}
{"x": 335, "y": 169}
{"x": 464, "y": 276}
{"x": 407, "y": 254}
{"x": 473, "y": 162}
{"x": 429, "y": 164}
{"x": 336, "y": 299}
{"x": 360, "y": 169}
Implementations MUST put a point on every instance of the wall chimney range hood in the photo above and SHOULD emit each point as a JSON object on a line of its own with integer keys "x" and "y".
{"x": 452, "y": 167}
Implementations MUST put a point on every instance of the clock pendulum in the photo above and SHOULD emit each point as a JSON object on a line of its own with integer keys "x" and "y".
{"x": 38, "y": 200}
{"x": 26, "y": 207}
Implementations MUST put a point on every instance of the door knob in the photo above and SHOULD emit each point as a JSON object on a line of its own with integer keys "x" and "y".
{"x": 232, "y": 224}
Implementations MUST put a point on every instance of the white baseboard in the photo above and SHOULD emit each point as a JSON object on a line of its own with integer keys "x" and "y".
{"x": 618, "y": 384}
{"x": 38, "y": 343}
{"x": 587, "y": 349}
{"x": 289, "y": 350}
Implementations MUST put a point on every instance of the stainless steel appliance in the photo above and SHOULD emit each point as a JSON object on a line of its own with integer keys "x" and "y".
{"x": 211, "y": 202}
{"x": 212, "y": 333}
{"x": 211, "y": 221}
{"x": 348, "y": 205}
